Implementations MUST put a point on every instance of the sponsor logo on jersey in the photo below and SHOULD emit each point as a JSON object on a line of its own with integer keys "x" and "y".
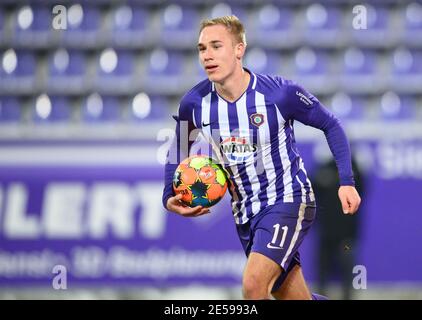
{"x": 238, "y": 149}
{"x": 304, "y": 98}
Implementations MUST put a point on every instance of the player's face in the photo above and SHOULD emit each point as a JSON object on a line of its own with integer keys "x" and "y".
{"x": 218, "y": 52}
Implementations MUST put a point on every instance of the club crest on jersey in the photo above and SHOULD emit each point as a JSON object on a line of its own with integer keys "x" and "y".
{"x": 257, "y": 119}
{"x": 238, "y": 149}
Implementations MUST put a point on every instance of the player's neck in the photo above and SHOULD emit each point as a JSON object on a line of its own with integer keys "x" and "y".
{"x": 234, "y": 87}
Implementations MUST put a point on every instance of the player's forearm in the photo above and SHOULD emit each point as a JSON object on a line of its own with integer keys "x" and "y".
{"x": 178, "y": 151}
{"x": 340, "y": 148}
{"x": 168, "y": 182}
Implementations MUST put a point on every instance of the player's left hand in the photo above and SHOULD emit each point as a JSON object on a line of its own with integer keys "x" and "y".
{"x": 349, "y": 198}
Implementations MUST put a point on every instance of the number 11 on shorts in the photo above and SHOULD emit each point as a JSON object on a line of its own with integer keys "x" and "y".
{"x": 273, "y": 243}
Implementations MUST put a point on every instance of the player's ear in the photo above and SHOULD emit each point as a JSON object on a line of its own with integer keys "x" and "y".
{"x": 240, "y": 50}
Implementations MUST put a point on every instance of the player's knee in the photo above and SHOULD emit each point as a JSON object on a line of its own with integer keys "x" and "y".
{"x": 254, "y": 288}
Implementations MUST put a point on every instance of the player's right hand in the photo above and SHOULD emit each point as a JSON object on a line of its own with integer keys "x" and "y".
{"x": 175, "y": 204}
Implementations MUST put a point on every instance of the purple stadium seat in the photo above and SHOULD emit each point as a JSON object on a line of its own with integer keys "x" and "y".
{"x": 10, "y": 109}
{"x": 412, "y": 21}
{"x": 319, "y": 17}
{"x": 90, "y": 18}
{"x": 32, "y": 26}
{"x": 23, "y": 66}
{"x": 115, "y": 71}
{"x": 176, "y": 17}
{"x": 163, "y": 62}
{"x": 17, "y": 72}
{"x": 273, "y": 18}
{"x": 100, "y": 109}
{"x": 310, "y": 62}
{"x": 221, "y": 9}
{"x": 108, "y": 66}
{"x": 145, "y": 108}
{"x": 260, "y": 61}
{"x": 83, "y": 26}
{"x": 51, "y": 109}
{"x": 413, "y": 16}
{"x": 67, "y": 63}
{"x": 165, "y": 73}
{"x": 131, "y": 25}
{"x": 378, "y": 27}
{"x": 323, "y": 25}
{"x": 67, "y": 71}
{"x": 271, "y": 23}
{"x": 405, "y": 61}
{"x": 357, "y": 61}
{"x": 179, "y": 26}
{"x": 378, "y": 18}
{"x": 395, "y": 107}
{"x": 347, "y": 107}
{"x": 32, "y": 18}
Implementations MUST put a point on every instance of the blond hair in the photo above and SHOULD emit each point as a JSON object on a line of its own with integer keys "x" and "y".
{"x": 232, "y": 23}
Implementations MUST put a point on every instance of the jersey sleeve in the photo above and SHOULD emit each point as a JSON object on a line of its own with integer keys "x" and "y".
{"x": 298, "y": 104}
{"x": 179, "y": 149}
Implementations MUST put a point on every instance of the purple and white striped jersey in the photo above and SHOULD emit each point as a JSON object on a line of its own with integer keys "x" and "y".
{"x": 254, "y": 138}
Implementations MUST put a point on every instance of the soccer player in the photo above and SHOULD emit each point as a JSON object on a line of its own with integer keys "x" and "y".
{"x": 272, "y": 199}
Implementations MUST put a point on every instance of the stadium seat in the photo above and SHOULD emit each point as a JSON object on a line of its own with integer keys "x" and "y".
{"x": 115, "y": 71}
{"x": 323, "y": 25}
{"x": 53, "y": 109}
{"x": 164, "y": 69}
{"x": 97, "y": 109}
{"x": 32, "y": 26}
{"x": 67, "y": 69}
{"x": 131, "y": 26}
{"x": 17, "y": 72}
{"x": 83, "y": 26}
{"x": 272, "y": 22}
{"x": 406, "y": 73}
{"x": 10, "y": 109}
{"x": 359, "y": 71}
{"x": 347, "y": 107}
{"x": 309, "y": 61}
{"x": 358, "y": 61}
{"x": 145, "y": 108}
{"x": 405, "y": 61}
{"x": 223, "y": 9}
{"x": 378, "y": 27}
{"x": 412, "y": 16}
{"x": 163, "y": 62}
{"x": 179, "y": 26}
{"x": 394, "y": 107}
{"x": 261, "y": 61}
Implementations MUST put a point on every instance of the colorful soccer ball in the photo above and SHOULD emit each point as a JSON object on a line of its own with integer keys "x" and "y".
{"x": 200, "y": 180}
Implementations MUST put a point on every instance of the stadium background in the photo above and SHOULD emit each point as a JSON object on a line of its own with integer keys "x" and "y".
{"x": 85, "y": 120}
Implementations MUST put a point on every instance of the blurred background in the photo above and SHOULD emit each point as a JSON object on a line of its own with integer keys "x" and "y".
{"x": 87, "y": 90}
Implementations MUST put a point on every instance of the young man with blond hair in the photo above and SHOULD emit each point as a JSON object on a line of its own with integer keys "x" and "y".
{"x": 272, "y": 199}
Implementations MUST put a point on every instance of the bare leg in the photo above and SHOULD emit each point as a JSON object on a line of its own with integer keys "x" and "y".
{"x": 294, "y": 287}
{"x": 259, "y": 276}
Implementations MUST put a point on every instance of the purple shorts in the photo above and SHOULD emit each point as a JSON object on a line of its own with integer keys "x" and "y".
{"x": 277, "y": 232}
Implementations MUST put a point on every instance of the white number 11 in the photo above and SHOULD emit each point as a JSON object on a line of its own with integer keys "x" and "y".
{"x": 276, "y": 232}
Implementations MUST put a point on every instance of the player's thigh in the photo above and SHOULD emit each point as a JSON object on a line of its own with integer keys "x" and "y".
{"x": 293, "y": 287}
{"x": 260, "y": 270}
